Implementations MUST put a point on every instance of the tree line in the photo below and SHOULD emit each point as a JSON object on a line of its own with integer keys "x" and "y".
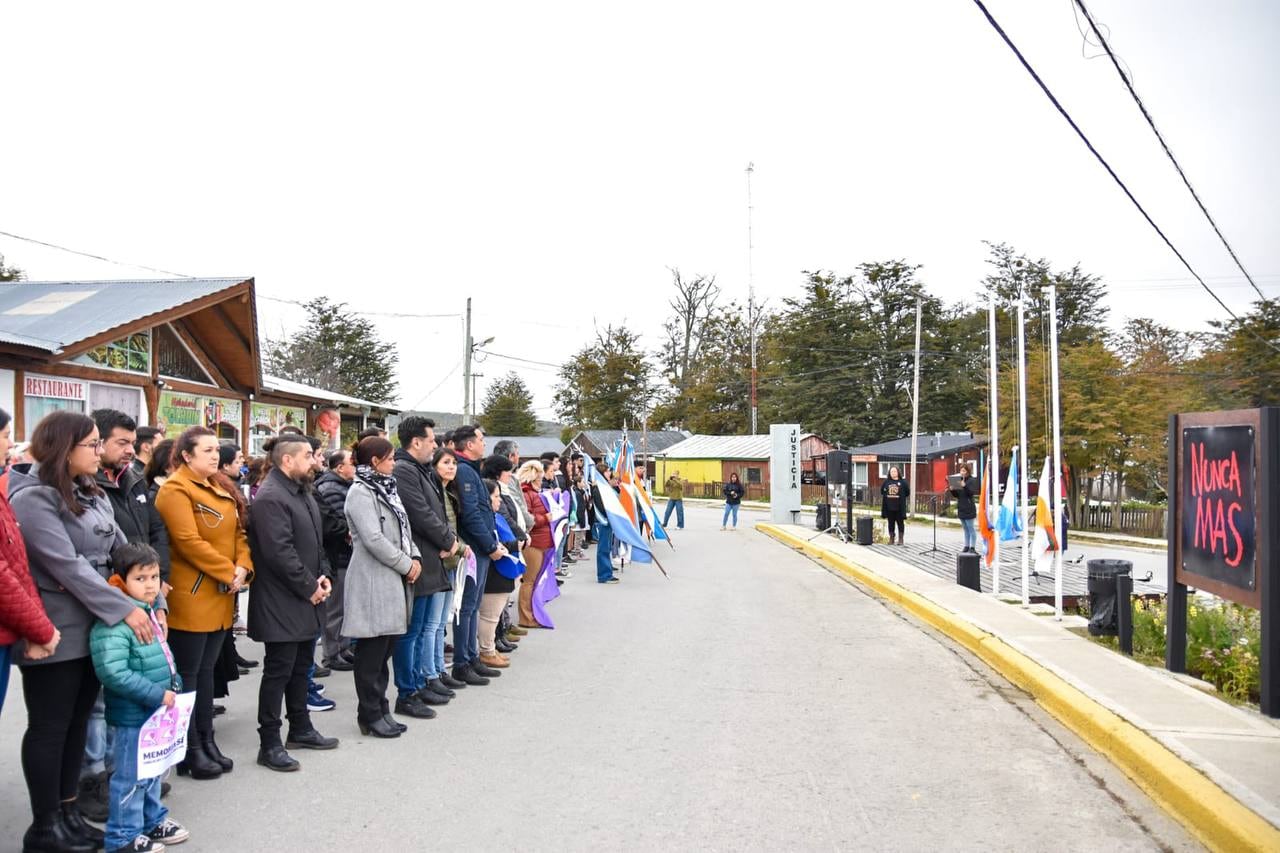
{"x": 838, "y": 357}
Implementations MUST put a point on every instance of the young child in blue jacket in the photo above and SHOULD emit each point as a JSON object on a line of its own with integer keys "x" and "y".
{"x": 136, "y": 679}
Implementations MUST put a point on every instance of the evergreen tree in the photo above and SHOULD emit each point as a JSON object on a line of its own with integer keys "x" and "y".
{"x": 508, "y": 408}
{"x": 10, "y": 273}
{"x": 338, "y": 350}
{"x": 607, "y": 384}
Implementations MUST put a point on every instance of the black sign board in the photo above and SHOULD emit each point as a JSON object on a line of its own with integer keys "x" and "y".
{"x": 1218, "y": 500}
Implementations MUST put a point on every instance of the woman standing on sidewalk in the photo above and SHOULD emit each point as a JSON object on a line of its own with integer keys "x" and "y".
{"x": 443, "y": 499}
{"x": 209, "y": 564}
{"x": 530, "y": 477}
{"x": 895, "y": 496}
{"x": 966, "y": 509}
{"x": 733, "y": 493}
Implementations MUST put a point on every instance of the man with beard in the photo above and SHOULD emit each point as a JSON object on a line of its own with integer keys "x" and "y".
{"x": 138, "y": 519}
{"x": 285, "y": 610}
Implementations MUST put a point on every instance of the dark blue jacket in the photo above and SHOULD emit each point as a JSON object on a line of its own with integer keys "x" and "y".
{"x": 476, "y": 523}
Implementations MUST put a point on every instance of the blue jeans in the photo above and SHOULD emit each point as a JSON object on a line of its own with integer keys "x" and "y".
{"x": 604, "y": 547}
{"x": 135, "y": 803}
{"x": 97, "y": 745}
{"x": 678, "y": 506}
{"x": 466, "y": 640}
{"x": 4, "y": 673}
{"x": 970, "y": 532}
{"x": 730, "y": 509}
{"x": 438, "y": 609}
{"x": 406, "y": 659}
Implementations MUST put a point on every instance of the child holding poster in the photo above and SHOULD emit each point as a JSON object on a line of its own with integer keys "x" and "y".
{"x": 137, "y": 679}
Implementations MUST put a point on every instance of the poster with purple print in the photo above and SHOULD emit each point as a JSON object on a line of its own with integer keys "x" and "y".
{"x": 162, "y": 741}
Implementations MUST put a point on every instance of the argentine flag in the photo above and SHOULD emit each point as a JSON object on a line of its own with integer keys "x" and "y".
{"x": 1009, "y": 521}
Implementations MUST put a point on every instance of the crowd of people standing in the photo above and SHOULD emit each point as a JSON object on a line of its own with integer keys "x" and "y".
{"x": 125, "y": 553}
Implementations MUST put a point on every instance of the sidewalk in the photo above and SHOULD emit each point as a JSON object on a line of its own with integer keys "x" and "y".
{"x": 1213, "y": 766}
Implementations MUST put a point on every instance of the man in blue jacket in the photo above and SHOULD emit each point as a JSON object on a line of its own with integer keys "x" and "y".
{"x": 477, "y": 528}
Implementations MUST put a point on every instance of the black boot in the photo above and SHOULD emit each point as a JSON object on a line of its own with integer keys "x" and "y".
{"x": 74, "y": 821}
{"x": 211, "y": 750}
{"x": 92, "y": 797}
{"x": 48, "y": 833}
{"x": 198, "y": 764}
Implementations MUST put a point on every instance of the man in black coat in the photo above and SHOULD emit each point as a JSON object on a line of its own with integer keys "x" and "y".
{"x": 331, "y": 494}
{"x": 126, "y": 489}
{"x": 432, "y": 535}
{"x": 290, "y": 583}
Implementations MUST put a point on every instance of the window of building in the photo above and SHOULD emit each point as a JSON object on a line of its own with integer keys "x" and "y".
{"x": 132, "y": 354}
{"x": 42, "y": 395}
{"x": 860, "y": 473}
{"x": 175, "y": 360}
{"x": 753, "y": 475}
{"x": 122, "y": 398}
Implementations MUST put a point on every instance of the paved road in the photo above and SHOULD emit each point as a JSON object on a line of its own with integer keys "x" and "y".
{"x": 752, "y": 702}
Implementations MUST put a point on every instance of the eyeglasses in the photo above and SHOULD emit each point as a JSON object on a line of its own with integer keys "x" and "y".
{"x": 93, "y": 445}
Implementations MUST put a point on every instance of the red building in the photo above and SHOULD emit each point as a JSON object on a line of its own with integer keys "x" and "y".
{"x": 937, "y": 455}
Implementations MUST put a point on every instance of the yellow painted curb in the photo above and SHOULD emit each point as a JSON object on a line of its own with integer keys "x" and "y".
{"x": 1218, "y": 819}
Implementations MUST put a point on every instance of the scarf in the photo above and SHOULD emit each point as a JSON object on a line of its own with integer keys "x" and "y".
{"x": 384, "y": 487}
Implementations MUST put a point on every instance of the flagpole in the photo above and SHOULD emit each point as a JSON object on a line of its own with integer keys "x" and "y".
{"x": 915, "y": 417}
{"x": 1022, "y": 454}
{"x": 1055, "y": 505}
{"x": 995, "y": 442}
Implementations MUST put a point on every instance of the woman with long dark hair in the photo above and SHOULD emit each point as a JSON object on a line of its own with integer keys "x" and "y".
{"x": 444, "y": 499}
{"x": 159, "y": 468}
{"x": 733, "y": 493}
{"x": 895, "y": 496}
{"x": 378, "y": 595}
{"x": 70, "y": 530}
{"x": 209, "y": 563}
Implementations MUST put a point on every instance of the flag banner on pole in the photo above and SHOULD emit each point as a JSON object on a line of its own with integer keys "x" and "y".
{"x": 545, "y": 589}
{"x": 986, "y": 535}
{"x": 621, "y": 525}
{"x": 1009, "y": 517}
{"x": 1045, "y": 543}
{"x": 512, "y": 565}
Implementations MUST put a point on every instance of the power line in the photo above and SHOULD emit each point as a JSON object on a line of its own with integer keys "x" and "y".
{"x": 437, "y": 387}
{"x": 91, "y": 255}
{"x": 1110, "y": 171}
{"x": 301, "y": 304}
{"x": 525, "y": 360}
{"x": 1128, "y": 84}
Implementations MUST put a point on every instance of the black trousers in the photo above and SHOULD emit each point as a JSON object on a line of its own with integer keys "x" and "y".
{"x": 285, "y": 669}
{"x": 196, "y": 654}
{"x": 59, "y": 697}
{"x": 897, "y": 522}
{"x": 371, "y": 677}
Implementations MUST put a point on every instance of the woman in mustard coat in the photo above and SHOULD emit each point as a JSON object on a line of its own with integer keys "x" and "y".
{"x": 209, "y": 563}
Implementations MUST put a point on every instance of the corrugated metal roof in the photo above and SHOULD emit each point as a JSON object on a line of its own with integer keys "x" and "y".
{"x": 723, "y": 447}
{"x": 55, "y": 315}
{"x": 530, "y": 446}
{"x": 299, "y": 389}
{"x": 927, "y": 444}
{"x": 654, "y": 442}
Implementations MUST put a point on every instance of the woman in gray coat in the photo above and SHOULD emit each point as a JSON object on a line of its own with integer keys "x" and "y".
{"x": 69, "y": 530}
{"x": 378, "y": 594}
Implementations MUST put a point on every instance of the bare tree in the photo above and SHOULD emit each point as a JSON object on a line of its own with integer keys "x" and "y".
{"x": 686, "y": 330}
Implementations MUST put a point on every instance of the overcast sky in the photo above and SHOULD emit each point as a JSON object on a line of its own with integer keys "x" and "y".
{"x": 551, "y": 160}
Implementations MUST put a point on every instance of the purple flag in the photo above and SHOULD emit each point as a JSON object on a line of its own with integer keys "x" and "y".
{"x": 545, "y": 589}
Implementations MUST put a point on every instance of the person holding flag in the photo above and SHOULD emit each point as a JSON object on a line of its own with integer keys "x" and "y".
{"x": 603, "y": 532}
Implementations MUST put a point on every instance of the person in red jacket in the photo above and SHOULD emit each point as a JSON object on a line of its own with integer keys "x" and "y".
{"x": 22, "y": 615}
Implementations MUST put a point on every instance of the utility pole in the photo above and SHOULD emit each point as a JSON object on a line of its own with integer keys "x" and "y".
{"x": 915, "y": 407}
{"x": 466, "y": 369}
{"x": 751, "y": 302}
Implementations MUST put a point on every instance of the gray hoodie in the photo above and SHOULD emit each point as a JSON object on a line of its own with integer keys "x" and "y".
{"x": 70, "y": 558}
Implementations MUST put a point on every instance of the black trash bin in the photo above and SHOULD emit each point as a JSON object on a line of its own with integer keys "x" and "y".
{"x": 866, "y": 529}
{"x": 824, "y": 516}
{"x": 1104, "y": 602}
{"x": 969, "y": 570}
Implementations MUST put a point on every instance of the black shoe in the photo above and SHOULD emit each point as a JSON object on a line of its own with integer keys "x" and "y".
{"x": 450, "y": 682}
{"x": 49, "y": 832}
{"x": 322, "y": 672}
{"x": 393, "y": 722}
{"x": 219, "y": 710}
{"x": 427, "y": 696}
{"x": 486, "y": 671}
{"x": 348, "y": 654}
{"x": 437, "y": 685}
{"x": 339, "y": 664}
{"x": 245, "y": 664}
{"x": 379, "y": 728}
{"x": 503, "y": 646}
{"x": 211, "y": 750}
{"x": 93, "y": 796}
{"x": 414, "y": 707}
{"x": 276, "y": 758}
{"x": 469, "y": 676}
{"x": 73, "y": 820}
{"x": 198, "y": 764}
{"x": 242, "y": 670}
{"x": 310, "y": 740}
